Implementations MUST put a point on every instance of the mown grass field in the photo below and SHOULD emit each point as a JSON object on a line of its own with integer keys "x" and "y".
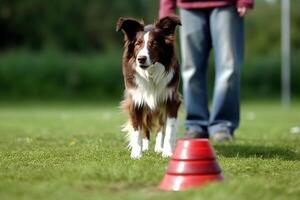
{"x": 76, "y": 151}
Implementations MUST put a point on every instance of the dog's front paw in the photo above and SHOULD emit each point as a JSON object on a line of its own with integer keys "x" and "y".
{"x": 136, "y": 152}
{"x": 159, "y": 141}
{"x": 167, "y": 154}
{"x": 158, "y": 148}
{"x": 167, "y": 151}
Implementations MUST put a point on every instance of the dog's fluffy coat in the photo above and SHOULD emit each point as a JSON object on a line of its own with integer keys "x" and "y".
{"x": 151, "y": 77}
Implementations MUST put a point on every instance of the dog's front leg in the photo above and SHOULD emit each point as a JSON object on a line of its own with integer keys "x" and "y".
{"x": 136, "y": 142}
{"x": 170, "y": 137}
{"x": 171, "y": 128}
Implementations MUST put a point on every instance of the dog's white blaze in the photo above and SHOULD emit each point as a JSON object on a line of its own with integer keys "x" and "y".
{"x": 145, "y": 51}
{"x": 136, "y": 144}
{"x": 159, "y": 141}
{"x": 170, "y": 137}
{"x": 152, "y": 86}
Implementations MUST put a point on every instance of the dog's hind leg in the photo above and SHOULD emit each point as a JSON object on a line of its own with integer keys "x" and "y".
{"x": 147, "y": 124}
{"x": 146, "y": 140}
{"x": 145, "y": 145}
{"x": 159, "y": 141}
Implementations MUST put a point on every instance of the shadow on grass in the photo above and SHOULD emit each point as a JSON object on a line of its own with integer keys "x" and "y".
{"x": 259, "y": 151}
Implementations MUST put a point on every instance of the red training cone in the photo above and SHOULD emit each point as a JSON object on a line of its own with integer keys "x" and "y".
{"x": 192, "y": 164}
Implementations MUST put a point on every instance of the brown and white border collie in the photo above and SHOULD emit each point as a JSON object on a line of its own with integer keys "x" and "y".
{"x": 151, "y": 76}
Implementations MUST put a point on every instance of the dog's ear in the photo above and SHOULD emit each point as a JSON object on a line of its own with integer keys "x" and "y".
{"x": 168, "y": 24}
{"x": 130, "y": 27}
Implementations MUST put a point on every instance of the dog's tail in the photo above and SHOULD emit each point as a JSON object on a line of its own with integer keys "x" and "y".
{"x": 128, "y": 129}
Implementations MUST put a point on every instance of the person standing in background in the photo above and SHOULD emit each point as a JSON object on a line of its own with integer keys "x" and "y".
{"x": 208, "y": 24}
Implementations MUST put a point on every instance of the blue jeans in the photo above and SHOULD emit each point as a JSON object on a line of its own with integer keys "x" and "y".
{"x": 222, "y": 29}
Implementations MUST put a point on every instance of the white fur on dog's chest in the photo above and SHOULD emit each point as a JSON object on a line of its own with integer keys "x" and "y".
{"x": 152, "y": 86}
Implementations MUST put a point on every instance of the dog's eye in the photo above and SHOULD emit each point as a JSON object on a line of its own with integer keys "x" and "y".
{"x": 138, "y": 43}
{"x": 152, "y": 44}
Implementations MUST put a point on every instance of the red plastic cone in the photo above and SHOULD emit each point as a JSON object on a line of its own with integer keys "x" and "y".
{"x": 192, "y": 164}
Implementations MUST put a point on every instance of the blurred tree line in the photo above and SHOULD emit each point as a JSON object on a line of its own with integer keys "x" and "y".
{"x": 70, "y": 48}
{"x": 70, "y": 25}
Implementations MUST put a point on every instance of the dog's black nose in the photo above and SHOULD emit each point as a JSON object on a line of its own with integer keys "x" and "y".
{"x": 142, "y": 59}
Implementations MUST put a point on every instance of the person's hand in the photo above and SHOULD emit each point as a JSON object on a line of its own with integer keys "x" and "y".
{"x": 242, "y": 11}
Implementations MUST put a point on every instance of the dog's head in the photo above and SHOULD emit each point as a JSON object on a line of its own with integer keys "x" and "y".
{"x": 149, "y": 44}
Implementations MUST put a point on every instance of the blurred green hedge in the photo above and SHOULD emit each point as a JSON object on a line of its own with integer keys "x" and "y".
{"x": 71, "y": 25}
{"x": 59, "y": 75}
{"x": 50, "y": 74}
{"x": 89, "y": 25}
{"x": 71, "y": 49}
{"x": 261, "y": 76}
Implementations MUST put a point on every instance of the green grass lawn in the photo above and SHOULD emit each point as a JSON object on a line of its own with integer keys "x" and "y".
{"x": 76, "y": 151}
